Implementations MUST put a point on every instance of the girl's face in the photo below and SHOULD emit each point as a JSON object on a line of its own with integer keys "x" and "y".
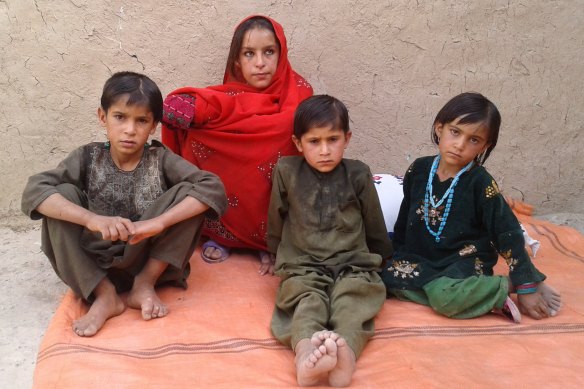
{"x": 128, "y": 128}
{"x": 323, "y": 147}
{"x": 258, "y": 58}
{"x": 459, "y": 144}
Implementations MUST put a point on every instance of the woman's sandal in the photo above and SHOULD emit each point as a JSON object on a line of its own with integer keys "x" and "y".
{"x": 225, "y": 251}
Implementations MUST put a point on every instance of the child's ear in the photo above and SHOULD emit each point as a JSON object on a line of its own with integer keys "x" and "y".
{"x": 348, "y": 135}
{"x": 153, "y": 130}
{"x": 102, "y": 115}
{"x": 297, "y": 143}
{"x": 438, "y": 130}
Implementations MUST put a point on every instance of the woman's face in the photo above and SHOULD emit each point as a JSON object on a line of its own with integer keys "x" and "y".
{"x": 258, "y": 58}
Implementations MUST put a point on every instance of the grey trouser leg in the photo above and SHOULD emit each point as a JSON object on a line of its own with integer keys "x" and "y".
{"x": 81, "y": 258}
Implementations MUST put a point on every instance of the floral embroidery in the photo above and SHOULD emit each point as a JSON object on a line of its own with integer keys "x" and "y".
{"x": 233, "y": 201}
{"x": 262, "y": 231}
{"x": 492, "y": 190}
{"x": 301, "y": 82}
{"x": 267, "y": 168}
{"x": 404, "y": 269}
{"x": 467, "y": 250}
{"x": 218, "y": 229}
{"x": 179, "y": 110}
{"x": 233, "y": 92}
{"x": 200, "y": 151}
{"x": 479, "y": 266}
{"x": 511, "y": 262}
{"x": 435, "y": 215}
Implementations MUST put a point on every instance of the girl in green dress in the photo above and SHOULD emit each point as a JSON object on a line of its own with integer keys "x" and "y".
{"x": 453, "y": 223}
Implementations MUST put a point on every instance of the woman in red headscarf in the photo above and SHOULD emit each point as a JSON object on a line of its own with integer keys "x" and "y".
{"x": 239, "y": 130}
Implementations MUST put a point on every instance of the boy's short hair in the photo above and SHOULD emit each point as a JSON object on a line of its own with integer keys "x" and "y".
{"x": 140, "y": 89}
{"x": 320, "y": 111}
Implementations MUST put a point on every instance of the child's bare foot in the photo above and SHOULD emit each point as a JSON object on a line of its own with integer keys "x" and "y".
{"x": 545, "y": 302}
{"x": 268, "y": 260}
{"x": 342, "y": 373}
{"x": 107, "y": 304}
{"x": 314, "y": 362}
{"x": 551, "y": 296}
{"x": 143, "y": 297}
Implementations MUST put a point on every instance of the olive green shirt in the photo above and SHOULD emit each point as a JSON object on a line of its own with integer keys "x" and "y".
{"x": 327, "y": 220}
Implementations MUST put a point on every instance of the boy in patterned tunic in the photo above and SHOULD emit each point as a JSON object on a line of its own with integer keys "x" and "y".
{"x": 327, "y": 230}
{"x": 124, "y": 214}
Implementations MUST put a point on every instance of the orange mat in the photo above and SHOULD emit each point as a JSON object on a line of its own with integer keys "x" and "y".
{"x": 217, "y": 336}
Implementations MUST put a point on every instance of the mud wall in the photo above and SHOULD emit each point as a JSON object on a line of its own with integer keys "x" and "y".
{"x": 394, "y": 63}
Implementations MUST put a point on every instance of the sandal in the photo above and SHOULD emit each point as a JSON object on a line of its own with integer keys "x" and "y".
{"x": 510, "y": 310}
{"x": 225, "y": 251}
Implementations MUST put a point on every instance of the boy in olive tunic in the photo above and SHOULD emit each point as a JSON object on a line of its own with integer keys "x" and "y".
{"x": 122, "y": 215}
{"x": 326, "y": 227}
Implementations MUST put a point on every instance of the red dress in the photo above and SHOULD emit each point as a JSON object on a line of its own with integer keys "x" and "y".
{"x": 238, "y": 133}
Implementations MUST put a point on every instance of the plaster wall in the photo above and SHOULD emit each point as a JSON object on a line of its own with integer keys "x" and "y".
{"x": 394, "y": 63}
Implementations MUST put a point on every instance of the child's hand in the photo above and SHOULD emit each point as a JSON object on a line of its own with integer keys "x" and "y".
{"x": 533, "y": 305}
{"x": 145, "y": 229}
{"x": 111, "y": 227}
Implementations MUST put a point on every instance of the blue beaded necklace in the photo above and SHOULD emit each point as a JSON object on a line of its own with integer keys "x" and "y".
{"x": 429, "y": 197}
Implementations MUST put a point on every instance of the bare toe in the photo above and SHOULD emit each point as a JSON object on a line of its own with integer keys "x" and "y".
{"x": 313, "y": 363}
{"x": 102, "y": 309}
{"x": 342, "y": 374}
{"x": 145, "y": 299}
{"x": 551, "y": 296}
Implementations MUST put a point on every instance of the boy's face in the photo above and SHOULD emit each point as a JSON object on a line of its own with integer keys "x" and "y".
{"x": 128, "y": 128}
{"x": 323, "y": 147}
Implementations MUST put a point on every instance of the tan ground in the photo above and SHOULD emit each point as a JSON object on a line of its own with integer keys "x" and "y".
{"x": 30, "y": 292}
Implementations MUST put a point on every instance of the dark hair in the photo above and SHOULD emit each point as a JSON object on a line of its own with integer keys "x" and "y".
{"x": 471, "y": 108}
{"x": 258, "y": 22}
{"x": 140, "y": 89}
{"x": 320, "y": 111}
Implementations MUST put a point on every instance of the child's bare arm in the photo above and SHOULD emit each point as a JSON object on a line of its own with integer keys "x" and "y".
{"x": 111, "y": 227}
{"x": 187, "y": 208}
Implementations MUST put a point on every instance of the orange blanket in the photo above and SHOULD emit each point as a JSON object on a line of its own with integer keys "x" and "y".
{"x": 217, "y": 335}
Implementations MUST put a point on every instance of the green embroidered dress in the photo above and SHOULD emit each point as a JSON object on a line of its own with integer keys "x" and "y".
{"x": 479, "y": 227}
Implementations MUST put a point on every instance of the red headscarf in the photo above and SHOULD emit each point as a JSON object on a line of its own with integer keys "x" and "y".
{"x": 238, "y": 133}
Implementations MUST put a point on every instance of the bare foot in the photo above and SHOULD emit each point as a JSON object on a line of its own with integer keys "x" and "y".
{"x": 314, "y": 362}
{"x": 342, "y": 373}
{"x": 544, "y": 302}
{"x": 107, "y": 304}
{"x": 551, "y": 296}
{"x": 213, "y": 253}
{"x": 268, "y": 260}
{"x": 142, "y": 296}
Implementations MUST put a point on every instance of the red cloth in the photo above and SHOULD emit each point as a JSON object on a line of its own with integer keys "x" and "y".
{"x": 238, "y": 133}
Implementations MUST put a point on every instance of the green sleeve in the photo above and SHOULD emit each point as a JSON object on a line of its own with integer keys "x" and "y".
{"x": 40, "y": 186}
{"x": 206, "y": 186}
{"x": 506, "y": 235}
{"x": 277, "y": 211}
{"x": 375, "y": 230}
